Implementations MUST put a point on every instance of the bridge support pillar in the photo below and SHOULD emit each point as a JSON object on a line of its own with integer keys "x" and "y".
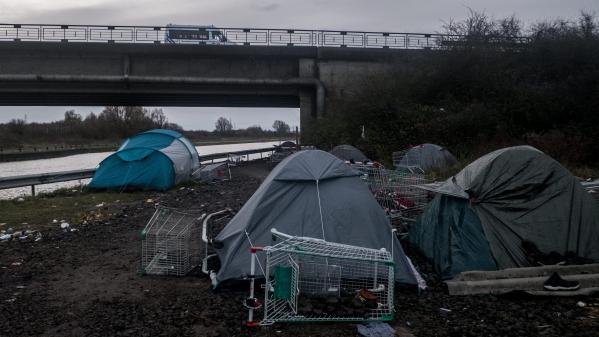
{"x": 311, "y": 101}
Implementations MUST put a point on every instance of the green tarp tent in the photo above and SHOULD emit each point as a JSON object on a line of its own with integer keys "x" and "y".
{"x": 481, "y": 216}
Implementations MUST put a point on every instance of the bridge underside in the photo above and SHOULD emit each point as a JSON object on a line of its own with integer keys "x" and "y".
{"x": 96, "y": 74}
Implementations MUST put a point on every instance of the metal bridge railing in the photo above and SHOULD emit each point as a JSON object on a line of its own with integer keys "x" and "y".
{"x": 240, "y": 36}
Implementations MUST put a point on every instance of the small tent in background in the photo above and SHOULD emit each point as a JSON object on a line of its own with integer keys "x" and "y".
{"x": 348, "y": 153}
{"x": 288, "y": 144}
{"x": 282, "y": 151}
{"x": 156, "y": 159}
{"x": 481, "y": 216}
{"x": 425, "y": 156}
{"x": 310, "y": 193}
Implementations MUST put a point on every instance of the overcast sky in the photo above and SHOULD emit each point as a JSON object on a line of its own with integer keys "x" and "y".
{"x": 362, "y": 15}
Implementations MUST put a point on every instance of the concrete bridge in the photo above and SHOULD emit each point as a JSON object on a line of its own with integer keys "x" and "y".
{"x": 311, "y": 78}
{"x": 104, "y": 65}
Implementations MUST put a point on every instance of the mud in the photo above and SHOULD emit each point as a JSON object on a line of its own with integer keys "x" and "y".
{"x": 87, "y": 283}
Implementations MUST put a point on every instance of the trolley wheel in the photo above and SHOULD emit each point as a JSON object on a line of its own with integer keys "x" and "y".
{"x": 252, "y": 303}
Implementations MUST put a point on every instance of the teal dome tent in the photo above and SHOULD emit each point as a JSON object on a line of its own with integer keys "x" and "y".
{"x": 156, "y": 159}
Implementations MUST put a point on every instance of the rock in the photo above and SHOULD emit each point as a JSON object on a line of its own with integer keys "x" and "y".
{"x": 20, "y": 199}
{"x": 444, "y": 311}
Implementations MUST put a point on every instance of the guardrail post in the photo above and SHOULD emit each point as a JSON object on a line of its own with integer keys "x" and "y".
{"x": 33, "y": 190}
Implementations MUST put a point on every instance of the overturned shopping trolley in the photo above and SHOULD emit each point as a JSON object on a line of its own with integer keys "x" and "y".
{"x": 397, "y": 192}
{"x": 311, "y": 280}
{"x": 211, "y": 226}
{"x": 171, "y": 242}
{"x": 213, "y": 172}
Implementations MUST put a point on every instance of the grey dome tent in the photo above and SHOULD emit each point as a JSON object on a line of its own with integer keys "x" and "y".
{"x": 348, "y": 153}
{"x": 482, "y": 215}
{"x": 310, "y": 193}
{"x": 425, "y": 156}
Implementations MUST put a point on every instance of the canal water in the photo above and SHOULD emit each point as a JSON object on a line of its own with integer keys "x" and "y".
{"x": 91, "y": 160}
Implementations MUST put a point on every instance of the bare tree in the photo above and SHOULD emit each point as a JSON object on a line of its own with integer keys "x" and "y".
{"x": 223, "y": 125}
{"x": 157, "y": 116}
{"x": 281, "y": 127}
{"x": 479, "y": 27}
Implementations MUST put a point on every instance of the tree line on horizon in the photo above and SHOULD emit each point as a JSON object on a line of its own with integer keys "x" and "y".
{"x": 115, "y": 123}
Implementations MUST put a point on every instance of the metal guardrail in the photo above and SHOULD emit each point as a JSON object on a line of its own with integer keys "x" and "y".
{"x": 56, "y": 177}
{"x": 213, "y": 156}
{"x": 243, "y": 36}
{"x": 44, "y": 178}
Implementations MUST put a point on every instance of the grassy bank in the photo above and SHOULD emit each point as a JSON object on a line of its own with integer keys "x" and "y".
{"x": 72, "y": 206}
{"x": 580, "y": 171}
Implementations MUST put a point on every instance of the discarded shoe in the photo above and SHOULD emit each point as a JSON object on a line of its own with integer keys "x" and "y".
{"x": 555, "y": 282}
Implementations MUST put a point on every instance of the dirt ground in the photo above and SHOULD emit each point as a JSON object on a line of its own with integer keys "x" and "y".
{"x": 87, "y": 283}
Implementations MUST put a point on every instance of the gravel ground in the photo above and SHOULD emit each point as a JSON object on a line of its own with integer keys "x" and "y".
{"x": 86, "y": 283}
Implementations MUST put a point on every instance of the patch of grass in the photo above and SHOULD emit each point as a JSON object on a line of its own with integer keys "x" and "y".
{"x": 69, "y": 205}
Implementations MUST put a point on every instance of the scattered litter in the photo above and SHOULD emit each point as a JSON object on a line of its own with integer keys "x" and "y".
{"x": 150, "y": 201}
{"x": 100, "y": 204}
{"x": 54, "y": 221}
{"x": 5, "y": 237}
{"x": 17, "y": 233}
{"x": 64, "y": 225}
{"x": 182, "y": 188}
{"x": 74, "y": 229}
{"x": 581, "y": 304}
{"x": 15, "y": 264}
{"x": 20, "y": 199}
{"x": 376, "y": 329}
{"x": 20, "y": 287}
{"x": 38, "y": 236}
{"x": 444, "y": 311}
{"x": 11, "y": 300}
{"x": 23, "y": 238}
{"x": 2, "y": 224}
{"x": 10, "y": 230}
